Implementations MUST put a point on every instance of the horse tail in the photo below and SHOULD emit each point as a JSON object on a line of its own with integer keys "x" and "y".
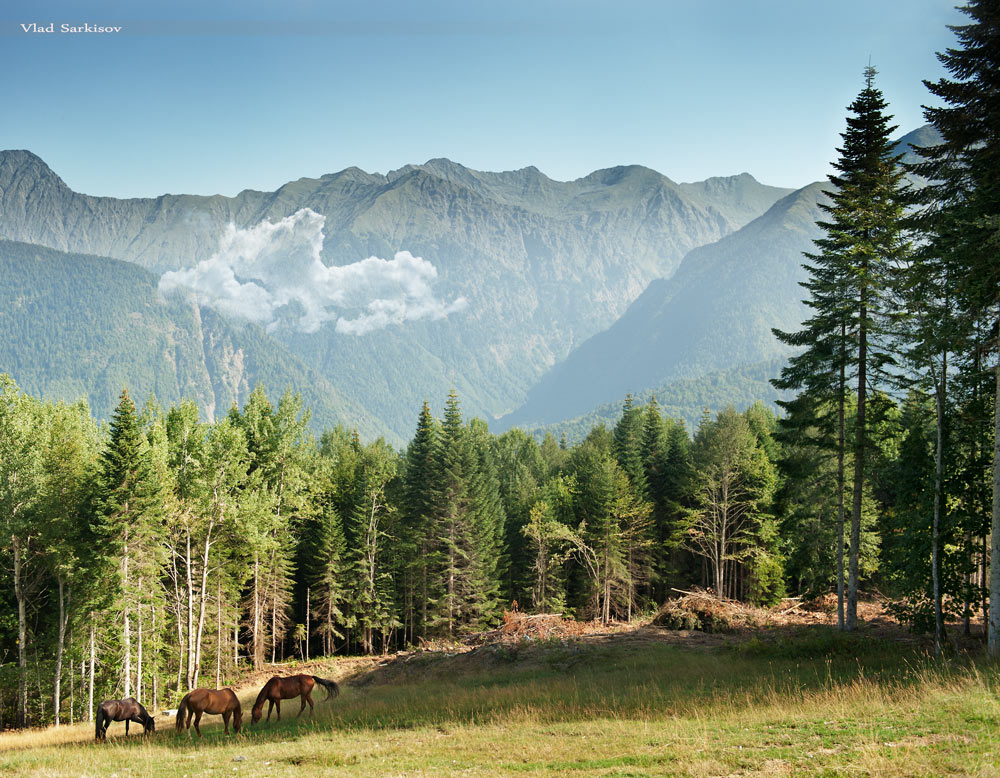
{"x": 182, "y": 712}
{"x": 332, "y": 687}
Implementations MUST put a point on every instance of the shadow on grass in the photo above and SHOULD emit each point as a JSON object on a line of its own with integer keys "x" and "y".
{"x": 580, "y": 680}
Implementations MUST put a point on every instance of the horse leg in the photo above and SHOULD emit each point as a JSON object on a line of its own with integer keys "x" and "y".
{"x": 309, "y": 699}
{"x": 277, "y": 704}
{"x": 187, "y": 724}
{"x": 270, "y": 707}
{"x": 126, "y": 727}
{"x": 303, "y": 704}
{"x": 225, "y": 719}
{"x": 197, "y": 721}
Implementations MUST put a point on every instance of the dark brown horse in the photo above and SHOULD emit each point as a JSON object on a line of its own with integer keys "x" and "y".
{"x": 201, "y": 701}
{"x": 278, "y": 689}
{"x": 125, "y": 710}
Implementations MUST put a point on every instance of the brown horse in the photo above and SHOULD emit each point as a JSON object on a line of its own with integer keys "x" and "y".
{"x": 201, "y": 701}
{"x": 278, "y": 689}
{"x": 125, "y": 710}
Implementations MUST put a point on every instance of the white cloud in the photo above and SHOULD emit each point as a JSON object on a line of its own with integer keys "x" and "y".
{"x": 272, "y": 273}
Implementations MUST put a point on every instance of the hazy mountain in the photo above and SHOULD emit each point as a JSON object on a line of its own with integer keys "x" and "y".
{"x": 84, "y": 326}
{"x": 542, "y": 264}
{"x": 712, "y": 318}
{"x": 715, "y": 313}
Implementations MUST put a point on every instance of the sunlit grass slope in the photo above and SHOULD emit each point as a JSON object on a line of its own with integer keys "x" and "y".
{"x": 813, "y": 706}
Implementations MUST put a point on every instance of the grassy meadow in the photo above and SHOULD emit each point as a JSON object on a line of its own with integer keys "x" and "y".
{"x": 814, "y": 703}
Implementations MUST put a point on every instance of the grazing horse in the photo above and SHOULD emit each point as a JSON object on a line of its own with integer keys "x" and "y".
{"x": 278, "y": 689}
{"x": 122, "y": 710}
{"x": 201, "y": 701}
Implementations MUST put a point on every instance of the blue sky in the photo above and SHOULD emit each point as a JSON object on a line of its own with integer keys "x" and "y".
{"x": 203, "y": 97}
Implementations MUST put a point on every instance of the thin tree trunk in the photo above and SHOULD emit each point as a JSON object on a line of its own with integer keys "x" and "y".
{"x": 307, "y": 623}
{"x": 20, "y": 716}
{"x": 57, "y": 680}
{"x": 218, "y": 639}
{"x": 859, "y": 465}
{"x": 138, "y": 662}
{"x": 841, "y": 443}
{"x": 72, "y": 682}
{"x": 90, "y": 696}
{"x": 994, "y": 635}
{"x": 156, "y": 667}
{"x": 179, "y": 612}
{"x": 202, "y": 598}
{"x": 941, "y": 388}
{"x": 190, "y": 613}
{"x": 423, "y": 587}
{"x": 451, "y": 577}
{"x": 258, "y": 643}
{"x": 126, "y": 625}
{"x": 970, "y": 580}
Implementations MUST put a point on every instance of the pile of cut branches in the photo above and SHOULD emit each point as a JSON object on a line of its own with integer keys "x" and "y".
{"x": 518, "y": 627}
{"x": 702, "y": 610}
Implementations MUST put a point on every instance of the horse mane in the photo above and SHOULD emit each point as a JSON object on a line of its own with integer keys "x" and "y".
{"x": 261, "y": 696}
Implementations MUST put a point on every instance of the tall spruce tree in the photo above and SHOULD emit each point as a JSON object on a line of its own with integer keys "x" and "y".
{"x": 848, "y": 285}
{"x": 418, "y": 495}
{"x": 450, "y": 601}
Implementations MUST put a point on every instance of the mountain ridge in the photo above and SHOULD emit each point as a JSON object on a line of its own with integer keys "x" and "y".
{"x": 684, "y": 326}
{"x": 542, "y": 264}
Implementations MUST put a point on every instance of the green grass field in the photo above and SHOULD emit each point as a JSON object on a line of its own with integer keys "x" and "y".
{"x": 817, "y": 703}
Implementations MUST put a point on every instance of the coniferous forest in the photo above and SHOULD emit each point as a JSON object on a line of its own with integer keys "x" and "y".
{"x": 156, "y": 552}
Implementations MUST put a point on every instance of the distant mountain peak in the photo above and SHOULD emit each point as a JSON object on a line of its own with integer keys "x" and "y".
{"x": 18, "y": 163}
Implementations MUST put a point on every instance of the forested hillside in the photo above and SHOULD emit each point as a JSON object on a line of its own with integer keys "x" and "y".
{"x": 82, "y": 327}
{"x": 685, "y": 399}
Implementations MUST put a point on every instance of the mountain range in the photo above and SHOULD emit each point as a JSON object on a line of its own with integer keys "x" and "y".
{"x": 540, "y": 301}
{"x": 542, "y": 264}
